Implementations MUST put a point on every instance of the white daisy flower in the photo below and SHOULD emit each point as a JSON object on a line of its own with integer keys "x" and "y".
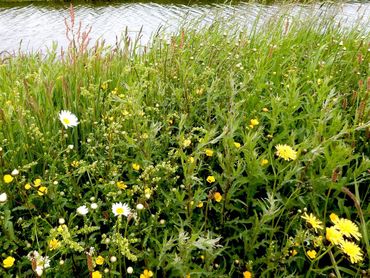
{"x": 82, "y": 210}
{"x": 68, "y": 119}
{"x": 120, "y": 209}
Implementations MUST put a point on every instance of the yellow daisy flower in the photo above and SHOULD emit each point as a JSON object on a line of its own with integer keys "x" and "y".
{"x": 313, "y": 221}
{"x": 333, "y": 235}
{"x": 286, "y": 152}
{"x": 352, "y": 250}
{"x": 54, "y": 244}
{"x": 347, "y": 228}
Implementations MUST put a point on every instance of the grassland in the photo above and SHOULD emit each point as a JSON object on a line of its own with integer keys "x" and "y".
{"x": 229, "y": 154}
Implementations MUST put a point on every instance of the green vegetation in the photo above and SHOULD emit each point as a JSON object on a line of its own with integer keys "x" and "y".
{"x": 232, "y": 149}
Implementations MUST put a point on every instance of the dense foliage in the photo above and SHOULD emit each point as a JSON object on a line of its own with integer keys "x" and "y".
{"x": 216, "y": 153}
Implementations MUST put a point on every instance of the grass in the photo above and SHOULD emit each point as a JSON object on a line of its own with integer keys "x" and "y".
{"x": 157, "y": 123}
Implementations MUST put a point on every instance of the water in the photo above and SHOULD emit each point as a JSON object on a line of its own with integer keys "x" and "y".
{"x": 35, "y": 27}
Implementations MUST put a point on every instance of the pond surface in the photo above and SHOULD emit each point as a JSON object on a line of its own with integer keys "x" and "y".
{"x": 34, "y": 27}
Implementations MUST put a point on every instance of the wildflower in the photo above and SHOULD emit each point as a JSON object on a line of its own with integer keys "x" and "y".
{"x": 99, "y": 260}
{"x": 293, "y": 252}
{"x": 54, "y": 244}
{"x": 82, "y": 210}
{"x": 37, "y": 182}
{"x": 94, "y": 206}
{"x": 200, "y": 205}
{"x": 333, "y": 235}
{"x": 286, "y": 152}
{"x": 146, "y": 274}
{"x": 208, "y": 152}
{"x": 139, "y": 206}
{"x": 135, "y": 166}
{"x": 311, "y": 254}
{"x": 247, "y": 274}
{"x": 264, "y": 162}
{"x": 113, "y": 259}
{"x": 347, "y": 228}
{"x": 237, "y": 145}
{"x": 68, "y": 119}
{"x": 15, "y": 172}
{"x": 75, "y": 163}
{"x": 253, "y": 123}
{"x": 8, "y": 178}
{"x": 120, "y": 209}
{"x": 333, "y": 217}
{"x": 121, "y": 185}
{"x": 317, "y": 241}
{"x": 191, "y": 159}
{"x": 217, "y": 196}
{"x": 130, "y": 270}
{"x": 211, "y": 179}
{"x": 3, "y": 197}
{"x": 61, "y": 221}
{"x": 27, "y": 186}
{"x": 265, "y": 109}
{"x": 352, "y": 250}
{"x": 186, "y": 143}
{"x": 8, "y": 262}
{"x": 313, "y": 221}
{"x": 42, "y": 190}
{"x": 147, "y": 192}
{"x": 96, "y": 274}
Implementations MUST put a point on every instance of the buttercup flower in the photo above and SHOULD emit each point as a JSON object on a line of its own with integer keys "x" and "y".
{"x": 217, "y": 196}
{"x": 146, "y": 274}
{"x": 208, "y": 152}
{"x": 253, "y": 123}
{"x": 211, "y": 179}
{"x": 8, "y": 178}
{"x": 68, "y": 119}
{"x": 247, "y": 274}
{"x": 99, "y": 260}
{"x": 313, "y": 221}
{"x": 8, "y": 262}
{"x": 347, "y": 228}
{"x": 352, "y": 250}
{"x": 120, "y": 209}
{"x": 37, "y": 182}
{"x": 135, "y": 166}
{"x": 42, "y": 190}
{"x": 27, "y": 186}
{"x": 286, "y": 152}
{"x": 333, "y": 235}
{"x": 311, "y": 254}
{"x": 82, "y": 210}
{"x": 264, "y": 162}
{"x": 96, "y": 274}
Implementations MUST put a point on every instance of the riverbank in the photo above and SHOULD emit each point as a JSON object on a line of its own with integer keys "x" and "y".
{"x": 217, "y": 153}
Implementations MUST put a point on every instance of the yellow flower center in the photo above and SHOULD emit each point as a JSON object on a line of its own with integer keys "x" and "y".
{"x": 120, "y": 210}
{"x": 66, "y": 121}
